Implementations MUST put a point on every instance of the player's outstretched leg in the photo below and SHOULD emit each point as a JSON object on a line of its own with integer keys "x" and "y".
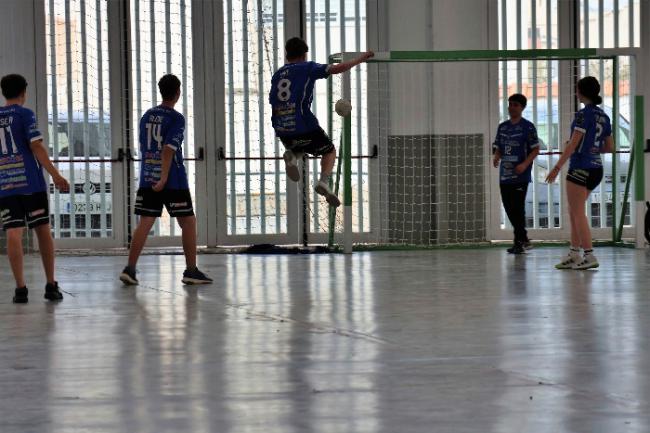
{"x": 323, "y": 187}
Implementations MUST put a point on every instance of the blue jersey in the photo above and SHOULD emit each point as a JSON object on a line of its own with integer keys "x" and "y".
{"x": 20, "y": 172}
{"x": 515, "y": 142}
{"x": 159, "y": 127}
{"x": 291, "y": 95}
{"x": 595, "y": 125}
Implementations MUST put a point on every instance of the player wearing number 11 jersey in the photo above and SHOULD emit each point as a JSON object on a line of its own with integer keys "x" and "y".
{"x": 163, "y": 181}
{"x": 23, "y": 190}
{"x": 291, "y": 95}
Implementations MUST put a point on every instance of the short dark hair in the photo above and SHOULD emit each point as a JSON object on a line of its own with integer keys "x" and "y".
{"x": 296, "y": 48}
{"x": 13, "y": 85}
{"x": 169, "y": 85}
{"x": 589, "y": 87}
{"x": 519, "y": 98}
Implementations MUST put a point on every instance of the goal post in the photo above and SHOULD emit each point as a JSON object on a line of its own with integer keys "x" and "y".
{"x": 426, "y": 171}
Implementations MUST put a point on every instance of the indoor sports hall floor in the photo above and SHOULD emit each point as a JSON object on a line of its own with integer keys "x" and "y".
{"x": 395, "y": 342}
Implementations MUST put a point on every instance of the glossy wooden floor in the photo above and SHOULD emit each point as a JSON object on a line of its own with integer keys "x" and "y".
{"x": 395, "y": 342}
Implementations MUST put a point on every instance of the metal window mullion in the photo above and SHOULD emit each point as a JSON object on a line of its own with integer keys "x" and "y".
{"x": 504, "y": 65}
{"x": 631, "y": 16}
{"x": 519, "y": 45}
{"x": 231, "y": 115}
{"x": 314, "y": 171}
{"x": 246, "y": 126}
{"x": 55, "y": 114}
{"x": 152, "y": 46}
{"x": 601, "y": 76}
{"x": 585, "y": 13}
{"x": 534, "y": 98}
{"x": 168, "y": 33}
{"x": 168, "y": 63}
{"x": 278, "y": 219}
{"x": 617, "y": 24}
{"x": 261, "y": 112}
{"x": 550, "y": 206}
{"x": 360, "y": 161}
{"x": 137, "y": 90}
{"x": 68, "y": 50}
{"x": 100, "y": 121}
{"x": 188, "y": 146}
{"x": 84, "y": 93}
{"x": 328, "y": 48}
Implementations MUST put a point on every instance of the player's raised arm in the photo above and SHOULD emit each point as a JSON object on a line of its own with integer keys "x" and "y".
{"x": 346, "y": 66}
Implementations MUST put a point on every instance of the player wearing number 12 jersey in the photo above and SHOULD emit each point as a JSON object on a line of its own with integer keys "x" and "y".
{"x": 163, "y": 181}
{"x": 23, "y": 190}
{"x": 291, "y": 95}
{"x": 591, "y": 135}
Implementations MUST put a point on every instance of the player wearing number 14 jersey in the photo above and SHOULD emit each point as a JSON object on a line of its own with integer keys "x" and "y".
{"x": 163, "y": 181}
{"x": 291, "y": 95}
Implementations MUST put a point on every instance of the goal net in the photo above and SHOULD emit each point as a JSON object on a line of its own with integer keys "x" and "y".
{"x": 415, "y": 158}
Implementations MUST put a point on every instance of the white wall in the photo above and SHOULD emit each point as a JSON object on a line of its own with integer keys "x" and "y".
{"x": 22, "y": 49}
{"x": 441, "y": 98}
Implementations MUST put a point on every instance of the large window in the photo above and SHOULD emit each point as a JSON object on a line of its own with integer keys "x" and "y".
{"x": 162, "y": 44}
{"x": 526, "y": 24}
{"x": 79, "y": 117}
{"x": 611, "y": 24}
{"x": 256, "y": 185}
{"x": 335, "y": 26}
{"x": 534, "y": 25}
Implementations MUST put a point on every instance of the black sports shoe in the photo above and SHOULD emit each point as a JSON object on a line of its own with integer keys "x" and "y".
{"x": 128, "y": 276}
{"x": 528, "y": 245}
{"x": 21, "y": 295}
{"x": 194, "y": 276}
{"x": 52, "y": 292}
{"x": 517, "y": 249}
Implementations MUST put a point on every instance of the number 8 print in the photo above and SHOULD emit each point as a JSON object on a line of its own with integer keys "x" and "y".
{"x": 284, "y": 90}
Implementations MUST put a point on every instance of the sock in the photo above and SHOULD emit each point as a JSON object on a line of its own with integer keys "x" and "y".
{"x": 589, "y": 252}
{"x": 325, "y": 178}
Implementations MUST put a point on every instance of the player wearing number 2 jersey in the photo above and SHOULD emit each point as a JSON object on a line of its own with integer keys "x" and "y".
{"x": 291, "y": 95}
{"x": 163, "y": 181}
{"x": 591, "y": 135}
{"x": 23, "y": 190}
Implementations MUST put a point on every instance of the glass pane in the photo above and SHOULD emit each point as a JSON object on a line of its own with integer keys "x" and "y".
{"x": 78, "y": 116}
{"x": 333, "y": 27}
{"x": 256, "y": 182}
{"x": 162, "y": 44}
{"x": 532, "y": 25}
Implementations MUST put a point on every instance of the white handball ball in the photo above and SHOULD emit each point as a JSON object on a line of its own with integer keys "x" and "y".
{"x": 343, "y": 107}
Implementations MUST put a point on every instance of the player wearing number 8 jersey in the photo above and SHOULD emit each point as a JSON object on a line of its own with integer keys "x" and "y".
{"x": 23, "y": 190}
{"x": 591, "y": 135}
{"x": 291, "y": 95}
{"x": 163, "y": 181}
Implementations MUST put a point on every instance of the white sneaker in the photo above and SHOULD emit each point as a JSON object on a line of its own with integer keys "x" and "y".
{"x": 323, "y": 189}
{"x": 588, "y": 262}
{"x": 569, "y": 261}
{"x": 291, "y": 165}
